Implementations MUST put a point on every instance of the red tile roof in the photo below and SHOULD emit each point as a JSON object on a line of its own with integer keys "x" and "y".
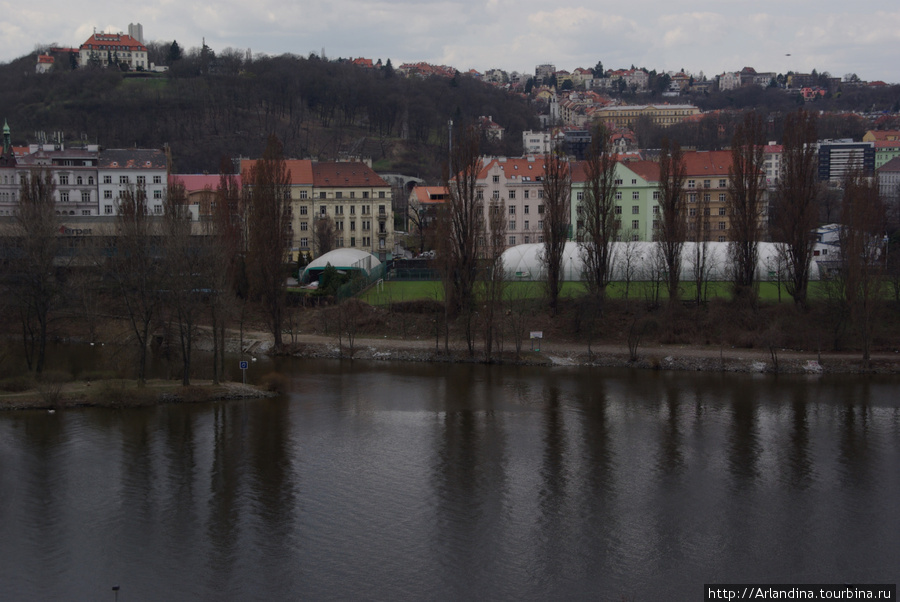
{"x": 109, "y": 41}
{"x": 707, "y": 163}
{"x": 337, "y": 174}
{"x": 198, "y": 182}
{"x": 429, "y": 194}
{"x": 648, "y": 170}
{"x": 300, "y": 170}
{"x": 517, "y": 168}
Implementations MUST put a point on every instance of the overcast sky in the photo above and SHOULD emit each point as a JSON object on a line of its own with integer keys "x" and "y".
{"x": 711, "y": 36}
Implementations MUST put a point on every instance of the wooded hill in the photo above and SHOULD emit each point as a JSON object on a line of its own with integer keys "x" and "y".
{"x": 208, "y": 107}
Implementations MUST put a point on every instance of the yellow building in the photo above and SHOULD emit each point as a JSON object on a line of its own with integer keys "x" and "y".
{"x": 663, "y": 115}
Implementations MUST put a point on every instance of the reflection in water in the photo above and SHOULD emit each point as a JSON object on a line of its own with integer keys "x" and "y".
{"x": 457, "y": 482}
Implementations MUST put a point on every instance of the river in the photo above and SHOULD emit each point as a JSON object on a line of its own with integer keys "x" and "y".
{"x": 390, "y": 481}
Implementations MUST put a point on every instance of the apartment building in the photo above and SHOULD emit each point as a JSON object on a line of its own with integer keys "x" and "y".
{"x": 663, "y": 114}
{"x": 121, "y": 170}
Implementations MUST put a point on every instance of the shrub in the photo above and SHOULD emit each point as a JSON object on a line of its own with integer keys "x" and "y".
{"x": 275, "y": 382}
{"x": 17, "y": 384}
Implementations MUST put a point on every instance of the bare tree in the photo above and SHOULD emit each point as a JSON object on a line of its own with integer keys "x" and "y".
{"x": 460, "y": 226}
{"x": 557, "y": 186}
{"x": 136, "y": 270}
{"x": 188, "y": 270}
{"x": 670, "y": 234}
{"x": 863, "y": 220}
{"x": 745, "y": 203}
{"x": 698, "y": 231}
{"x": 493, "y": 273}
{"x": 269, "y": 233}
{"x": 599, "y": 210}
{"x": 795, "y": 208}
{"x": 324, "y": 235}
{"x": 227, "y": 267}
{"x": 38, "y": 289}
{"x": 632, "y": 259}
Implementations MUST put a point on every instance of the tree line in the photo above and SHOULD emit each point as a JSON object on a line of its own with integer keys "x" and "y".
{"x": 468, "y": 235}
{"x": 155, "y": 274}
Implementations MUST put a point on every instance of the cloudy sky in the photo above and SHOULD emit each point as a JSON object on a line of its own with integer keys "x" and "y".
{"x": 711, "y": 36}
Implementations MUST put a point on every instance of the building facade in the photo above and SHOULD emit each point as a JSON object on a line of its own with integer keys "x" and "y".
{"x": 102, "y": 49}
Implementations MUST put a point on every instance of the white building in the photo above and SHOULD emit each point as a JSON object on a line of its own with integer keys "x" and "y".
{"x": 536, "y": 143}
{"x": 121, "y": 170}
{"x": 101, "y": 49}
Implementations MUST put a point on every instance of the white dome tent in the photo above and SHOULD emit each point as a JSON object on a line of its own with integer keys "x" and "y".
{"x": 341, "y": 259}
{"x": 524, "y": 262}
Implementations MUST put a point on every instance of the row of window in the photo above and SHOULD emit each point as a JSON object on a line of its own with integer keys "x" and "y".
{"x": 364, "y": 241}
{"x": 108, "y": 210}
{"x": 338, "y": 194}
{"x": 723, "y": 183}
{"x": 339, "y": 210}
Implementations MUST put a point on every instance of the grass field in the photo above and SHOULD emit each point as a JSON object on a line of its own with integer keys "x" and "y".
{"x": 396, "y": 291}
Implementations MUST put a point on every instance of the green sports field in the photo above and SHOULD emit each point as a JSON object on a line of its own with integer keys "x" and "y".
{"x": 397, "y": 291}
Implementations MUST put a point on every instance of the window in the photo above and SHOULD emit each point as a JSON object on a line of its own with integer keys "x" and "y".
{"x": 107, "y": 209}
{"x": 304, "y": 243}
{"x": 157, "y": 179}
{"x": 512, "y": 210}
{"x": 107, "y": 194}
{"x": 381, "y": 210}
{"x": 339, "y": 209}
{"x": 303, "y": 194}
{"x": 540, "y": 194}
{"x": 512, "y": 195}
{"x": 692, "y": 198}
{"x": 618, "y": 195}
{"x": 107, "y": 179}
{"x": 723, "y": 183}
{"x": 352, "y": 225}
{"x": 579, "y": 196}
{"x": 63, "y": 179}
{"x": 540, "y": 209}
{"x": 157, "y": 194}
{"x": 79, "y": 180}
{"x": 512, "y": 240}
{"x": 635, "y": 196}
{"x": 527, "y": 194}
{"x": 352, "y": 196}
{"x": 322, "y": 209}
{"x": 157, "y": 209}
{"x": 64, "y": 197}
{"x": 90, "y": 180}
{"x": 495, "y": 194}
{"x": 635, "y": 224}
{"x": 141, "y": 180}
{"x": 721, "y": 239}
{"x": 618, "y": 181}
{"x": 338, "y": 195}
{"x": 722, "y": 197}
{"x": 721, "y": 210}
{"x": 540, "y": 224}
{"x": 381, "y": 196}
{"x": 692, "y": 211}
{"x": 656, "y": 210}
{"x": 365, "y": 194}
{"x": 706, "y": 183}
{"x": 480, "y": 195}
{"x": 352, "y": 238}
{"x": 721, "y": 225}
{"x": 655, "y": 195}
{"x": 352, "y": 209}
{"x": 495, "y": 179}
{"x": 85, "y": 212}
{"x": 692, "y": 184}
{"x": 635, "y": 209}
{"x": 123, "y": 179}
{"x": 85, "y": 197}
{"x": 321, "y": 195}
{"x": 512, "y": 224}
{"x": 303, "y": 210}
{"x": 339, "y": 225}
{"x": 706, "y": 198}
{"x": 618, "y": 209}
{"x": 304, "y": 226}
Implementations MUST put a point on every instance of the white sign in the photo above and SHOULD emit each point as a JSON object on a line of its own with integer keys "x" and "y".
{"x": 537, "y": 334}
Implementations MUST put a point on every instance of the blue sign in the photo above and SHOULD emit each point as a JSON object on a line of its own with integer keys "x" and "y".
{"x": 244, "y": 365}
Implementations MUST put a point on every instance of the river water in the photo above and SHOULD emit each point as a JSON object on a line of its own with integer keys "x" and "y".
{"x": 385, "y": 481}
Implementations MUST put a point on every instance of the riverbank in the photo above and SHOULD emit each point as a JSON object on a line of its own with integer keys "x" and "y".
{"x": 124, "y": 394}
{"x": 551, "y": 353}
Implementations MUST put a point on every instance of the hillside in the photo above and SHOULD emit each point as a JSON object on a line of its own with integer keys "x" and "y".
{"x": 207, "y": 110}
